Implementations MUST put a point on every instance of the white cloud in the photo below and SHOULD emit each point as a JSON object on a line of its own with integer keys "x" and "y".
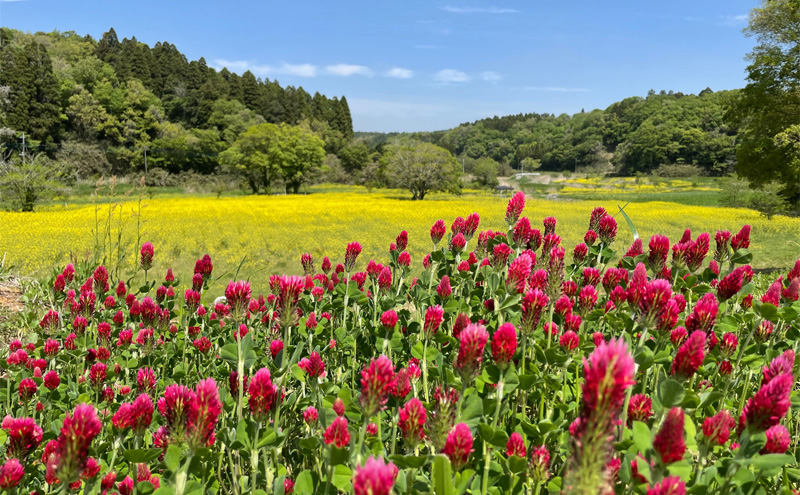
{"x": 239, "y": 66}
{"x": 478, "y": 10}
{"x": 346, "y": 70}
{"x": 451, "y": 75}
{"x": 555, "y": 89}
{"x": 399, "y": 73}
{"x": 491, "y": 76}
{"x": 733, "y": 20}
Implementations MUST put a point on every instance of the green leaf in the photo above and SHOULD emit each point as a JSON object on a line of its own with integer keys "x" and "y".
{"x": 339, "y": 456}
{"x": 298, "y": 373}
{"x": 242, "y": 436}
{"x": 629, "y": 221}
{"x": 141, "y": 455}
{"x": 472, "y": 414}
{"x": 517, "y": 464}
{"x": 670, "y": 393}
{"x": 742, "y": 257}
{"x": 172, "y": 459}
{"x": 441, "y": 476}
{"x": 770, "y": 461}
{"x": 230, "y": 353}
{"x": 341, "y": 477}
{"x": 304, "y": 484}
{"x": 641, "y": 436}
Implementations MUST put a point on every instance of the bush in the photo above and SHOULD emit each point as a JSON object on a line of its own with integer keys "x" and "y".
{"x": 678, "y": 170}
{"x": 769, "y": 201}
{"x": 24, "y": 183}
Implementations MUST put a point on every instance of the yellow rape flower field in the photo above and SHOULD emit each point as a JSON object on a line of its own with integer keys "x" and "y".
{"x": 269, "y": 233}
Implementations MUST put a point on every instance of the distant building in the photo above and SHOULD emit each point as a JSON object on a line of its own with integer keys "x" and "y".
{"x": 526, "y": 174}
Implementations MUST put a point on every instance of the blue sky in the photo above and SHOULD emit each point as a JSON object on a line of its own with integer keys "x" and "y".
{"x": 426, "y": 65}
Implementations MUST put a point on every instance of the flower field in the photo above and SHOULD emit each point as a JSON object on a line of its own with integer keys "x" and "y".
{"x": 493, "y": 354}
{"x": 268, "y": 234}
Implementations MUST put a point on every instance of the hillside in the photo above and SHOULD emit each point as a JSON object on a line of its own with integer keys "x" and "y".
{"x": 107, "y": 101}
{"x": 637, "y": 134}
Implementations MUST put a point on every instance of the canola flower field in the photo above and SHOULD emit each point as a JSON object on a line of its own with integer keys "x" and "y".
{"x": 273, "y": 231}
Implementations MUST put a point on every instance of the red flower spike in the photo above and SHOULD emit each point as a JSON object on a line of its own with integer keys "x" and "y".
{"x": 515, "y": 445}
{"x": 669, "y": 442}
{"x": 375, "y": 477}
{"x": 717, "y": 428}
{"x": 412, "y": 422}
{"x": 458, "y": 446}
{"x": 337, "y": 433}
{"x": 671, "y": 485}
{"x": 470, "y": 351}
{"x": 504, "y": 344}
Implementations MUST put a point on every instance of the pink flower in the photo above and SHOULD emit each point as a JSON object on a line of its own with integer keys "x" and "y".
{"x": 717, "y": 428}
{"x": 275, "y": 347}
{"x": 11, "y": 473}
{"x": 658, "y": 252}
{"x": 350, "y": 256}
{"x": 549, "y": 225}
{"x": 338, "y": 406}
{"x": 237, "y": 295}
{"x": 412, "y": 422}
{"x": 262, "y": 394}
{"x": 607, "y": 229}
{"x": 728, "y": 343}
{"x": 783, "y": 364}
{"x": 307, "y": 262}
{"x": 690, "y": 355}
{"x": 209, "y": 407}
{"x": 533, "y": 304}
{"x": 540, "y": 463}
{"x": 704, "y": 314}
{"x": 778, "y": 440}
{"x": 669, "y": 442}
{"x": 504, "y": 344}
{"x": 376, "y": 384}
{"x": 470, "y": 351}
{"x": 24, "y": 436}
{"x": 671, "y": 485}
{"x": 310, "y": 414}
{"x": 515, "y": 207}
{"x": 147, "y": 252}
{"x": 375, "y": 477}
{"x": 742, "y": 239}
{"x": 458, "y": 243}
{"x": 27, "y": 389}
{"x": 518, "y": 274}
{"x": 515, "y": 445}
{"x": 337, "y": 433}
{"x": 569, "y": 341}
{"x": 442, "y": 415}
{"x": 434, "y": 316}
{"x": 71, "y": 450}
{"x": 608, "y": 374}
{"x": 443, "y": 289}
{"x": 770, "y": 404}
{"x": 313, "y": 365}
{"x": 404, "y": 259}
{"x": 437, "y": 231}
{"x": 385, "y": 279}
{"x": 146, "y": 379}
{"x": 458, "y": 446}
{"x": 640, "y": 408}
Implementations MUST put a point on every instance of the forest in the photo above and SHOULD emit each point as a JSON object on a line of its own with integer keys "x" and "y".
{"x": 637, "y": 134}
{"x": 106, "y": 102}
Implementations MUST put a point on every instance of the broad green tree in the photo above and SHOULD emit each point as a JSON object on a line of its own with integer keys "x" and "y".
{"x": 422, "y": 168}
{"x": 485, "y": 172}
{"x": 768, "y": 107}
{"x": 267, "y": 152}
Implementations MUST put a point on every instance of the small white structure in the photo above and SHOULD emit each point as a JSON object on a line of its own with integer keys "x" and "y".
{"x": 526, "y": 174}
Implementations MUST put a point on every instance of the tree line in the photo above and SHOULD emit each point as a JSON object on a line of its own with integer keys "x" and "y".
{"x": 113, "y": 100}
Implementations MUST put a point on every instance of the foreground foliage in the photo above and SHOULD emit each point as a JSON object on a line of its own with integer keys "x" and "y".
{"x": 510, "y": 366}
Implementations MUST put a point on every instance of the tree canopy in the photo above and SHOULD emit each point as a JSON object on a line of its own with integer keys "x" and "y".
{"x": 767, "y": 110}
{"x": 124, "y": 97}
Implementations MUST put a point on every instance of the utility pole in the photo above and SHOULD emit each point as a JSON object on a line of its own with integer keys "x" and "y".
{"x": 23, "y": 147}
{"x": 145, "y": 164}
